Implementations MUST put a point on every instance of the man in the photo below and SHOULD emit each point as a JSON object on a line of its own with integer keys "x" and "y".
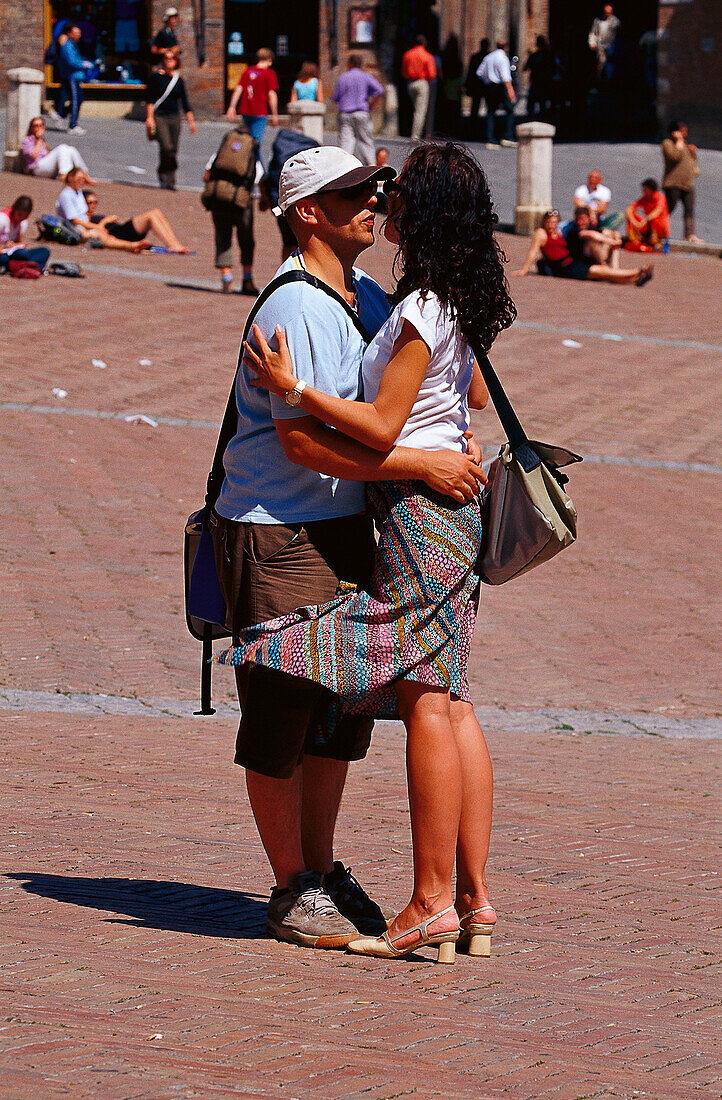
{"x": 594, "y": 196}
{"x": 166, "y": 38}
{"x": 586, "y": 242}
{"x": 680, "y": 172}
{"x": 289, "y": 524}
{"x": 601, "y": 36}
{"x": 475, "y": 87}
{"x": 257, "y": 91}
{"x": 418, "y": 69}
{"x": 540, "y": 66}
{"x": 355, "y": 94}
{"x": 495, "y": 72}
{"x": 71, "y": 69}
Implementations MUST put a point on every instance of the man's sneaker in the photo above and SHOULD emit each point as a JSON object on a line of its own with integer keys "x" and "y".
{"x": 352, "y": 900}
{"x": 303, "y": 913}
{"x": 509, "y": 144}
{"x": 77, "y": 130}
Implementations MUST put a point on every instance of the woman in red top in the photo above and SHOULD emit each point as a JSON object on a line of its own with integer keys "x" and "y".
{"x": 549, "y": 250}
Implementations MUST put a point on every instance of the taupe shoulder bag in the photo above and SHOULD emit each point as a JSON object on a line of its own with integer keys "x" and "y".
{"x": 527, "y": 516}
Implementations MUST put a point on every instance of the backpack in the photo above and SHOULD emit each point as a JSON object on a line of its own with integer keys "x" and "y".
{"x": 287, "y": 143}
{"x": 52, "y": 53}
{"x": 232, "y": 173}
{"x": 52, "y": 228}
{"x": 63, "y": 267}
{"x": 24, "y": 269}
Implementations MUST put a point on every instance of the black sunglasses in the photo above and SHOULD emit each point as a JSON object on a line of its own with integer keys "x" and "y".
{"x": 390, "y": 187}
{"x": 359, "y": 190}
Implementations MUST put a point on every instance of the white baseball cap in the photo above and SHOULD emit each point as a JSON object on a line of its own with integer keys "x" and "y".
{"x": 169, "y": 13}
{"x": 323, "y": 168}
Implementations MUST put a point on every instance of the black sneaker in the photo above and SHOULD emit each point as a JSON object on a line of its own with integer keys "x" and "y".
{"x": 353, "y": 902}
{"x": 304, "y": 914}
{"x": 249, "y": 289}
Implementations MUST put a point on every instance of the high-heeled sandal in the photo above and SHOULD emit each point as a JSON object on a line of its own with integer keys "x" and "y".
{"x": 383, "y": 947}
{"x": 475, "y": 937}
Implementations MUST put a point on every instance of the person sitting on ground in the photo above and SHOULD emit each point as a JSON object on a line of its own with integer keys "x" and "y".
{"x": 72, "y": 206}
{"x": 307, "y": 86}
{"x": 648, "y": 220}
{"x": 595, "y": 195}
{"x": 549, "y": 250}
{"x": 13, "y": 227}
{"x": 137, "y": 228}
{"x": 600, "y": 246}
{"x": 39, "y": 160}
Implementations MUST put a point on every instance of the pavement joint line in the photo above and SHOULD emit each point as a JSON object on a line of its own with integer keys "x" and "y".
{"x": 532, "y": 326}
{"x": 543, "y": 720}
{"x": 212, "y": 425}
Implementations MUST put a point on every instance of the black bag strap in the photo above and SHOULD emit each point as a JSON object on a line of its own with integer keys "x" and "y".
{"x": 206, "y": 671}
{"x": 229, "y": 425}
{"x": 509, "y": 420}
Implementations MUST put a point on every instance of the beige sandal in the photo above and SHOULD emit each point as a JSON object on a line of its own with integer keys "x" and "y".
{"x": 475, "y": 937}
{"x": 383, "y": 947}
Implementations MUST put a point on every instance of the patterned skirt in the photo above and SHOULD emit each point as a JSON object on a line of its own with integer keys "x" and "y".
{"x": 415, "y": 622}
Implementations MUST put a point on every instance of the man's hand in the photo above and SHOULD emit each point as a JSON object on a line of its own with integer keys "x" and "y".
{"x": 472, "y": 447}
{"x": 452, "y": 473}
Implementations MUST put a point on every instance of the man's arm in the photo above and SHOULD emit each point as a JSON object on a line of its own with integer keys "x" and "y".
{"x": 308, "y": 442}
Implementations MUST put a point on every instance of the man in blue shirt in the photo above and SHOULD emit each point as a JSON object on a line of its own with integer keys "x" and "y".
{"x": 71, "y": 69}
{"x": 290, "y": 524}
{"x": 355, "y": 93}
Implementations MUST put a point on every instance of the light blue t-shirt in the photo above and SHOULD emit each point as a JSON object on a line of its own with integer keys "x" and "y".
{"x": 306, "y": 89}
{"x": 261, "y": 484}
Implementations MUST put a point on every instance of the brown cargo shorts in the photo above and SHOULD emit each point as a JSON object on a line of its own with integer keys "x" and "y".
{"x": 267, "y": 570}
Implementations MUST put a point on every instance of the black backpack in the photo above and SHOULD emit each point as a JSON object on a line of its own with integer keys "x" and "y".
{"x": 60, "y": 230}
{"x": 287, "y": 143}
{"x": 232, "y": 173}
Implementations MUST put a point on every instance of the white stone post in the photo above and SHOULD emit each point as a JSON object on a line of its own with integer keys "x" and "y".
{"x": 307, "y": 116}
{"x": 24, "y": 87}
{"x": 391, "y": 111}
{"x": 534, "y": 175}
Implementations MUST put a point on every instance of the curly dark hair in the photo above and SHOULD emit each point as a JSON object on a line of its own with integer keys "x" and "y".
{"x": 447, "y": 244}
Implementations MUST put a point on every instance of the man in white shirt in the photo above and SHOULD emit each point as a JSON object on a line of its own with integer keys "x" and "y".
{"x": 495, "y": 73}
{"x": 595, "y": 197}
{"x": 601, "y": 36}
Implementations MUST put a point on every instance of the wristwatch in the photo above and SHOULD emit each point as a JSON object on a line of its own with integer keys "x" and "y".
{"x": 293, "y": 397}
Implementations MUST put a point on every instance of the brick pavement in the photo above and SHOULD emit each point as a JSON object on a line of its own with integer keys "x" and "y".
{"x": 591, "y": 991}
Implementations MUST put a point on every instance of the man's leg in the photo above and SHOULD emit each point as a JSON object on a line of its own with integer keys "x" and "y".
{"x": 509, "y": 116}
{"x": 75, "y": 100}
{"x": 492, "y": 101}
{"x": 346, "y": 136}
{"x": 276, "y": 806}
{"x": 247, "y": 246}
{"x": 365, "y": 138}
{"x": 323, "y": 783}
{"x": 688, "y": 207}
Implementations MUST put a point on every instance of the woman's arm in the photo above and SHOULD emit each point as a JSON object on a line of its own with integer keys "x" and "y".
{"x": 319, "y": 91}
{"x": 478, "y": 391}
{"x": 534, "y": 252}
{"x": 376, "y": 424}
{"x": 294, "y": 95}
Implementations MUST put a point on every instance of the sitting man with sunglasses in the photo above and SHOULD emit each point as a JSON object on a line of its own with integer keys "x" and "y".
{"x": 290, "y": 524}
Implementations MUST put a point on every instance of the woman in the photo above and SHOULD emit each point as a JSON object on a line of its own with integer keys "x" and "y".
{"x": 166, "y": 97}
{"x": 549, "y": 250}
{"x": 401, "y": 648}
{"x": 307, "y": 86}
{"x": 137, "y": 228}
{"x": 648, "y": 227}
{"x": 39, "y": 160}
{"x": 71, "y": 205}
{"x": 13, "y": 227}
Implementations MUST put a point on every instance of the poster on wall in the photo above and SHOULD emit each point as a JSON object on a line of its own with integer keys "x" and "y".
{"x": 362, "y": 26}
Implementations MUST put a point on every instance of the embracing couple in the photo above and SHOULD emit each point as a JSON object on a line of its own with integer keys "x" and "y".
{"x": 349, "y": 400}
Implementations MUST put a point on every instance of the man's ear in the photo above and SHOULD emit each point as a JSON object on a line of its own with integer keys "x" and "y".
{"x": 307, "y": 210}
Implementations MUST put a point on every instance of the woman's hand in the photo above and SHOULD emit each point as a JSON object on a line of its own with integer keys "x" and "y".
{"x": 454, "y": 474}
{"x": 274, "y": 368}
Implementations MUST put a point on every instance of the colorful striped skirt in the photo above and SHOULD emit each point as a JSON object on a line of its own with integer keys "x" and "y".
{"x": 415, "y": 622}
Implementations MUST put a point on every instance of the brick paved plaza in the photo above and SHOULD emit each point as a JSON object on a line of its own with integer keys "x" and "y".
{"x": 134, "y": 886}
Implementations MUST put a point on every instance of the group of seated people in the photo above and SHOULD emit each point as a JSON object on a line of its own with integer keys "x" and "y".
{"x": 588, "y": 246}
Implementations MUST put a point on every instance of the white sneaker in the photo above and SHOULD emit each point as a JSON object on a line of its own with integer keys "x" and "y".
{"x": 77, "y": 130}
{"x": 510, "y": 144}
{"x": 53, "y": 114}
{"x": 492, "y": 145}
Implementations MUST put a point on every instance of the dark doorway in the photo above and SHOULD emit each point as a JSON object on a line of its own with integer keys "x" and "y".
{"x": 287, "y": 27}
{"x": 618, "y": 103}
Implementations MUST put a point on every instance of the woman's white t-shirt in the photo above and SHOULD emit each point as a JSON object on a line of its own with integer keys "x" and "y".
{"x": 440, "y": 414}
{"x": 11, "y": 232}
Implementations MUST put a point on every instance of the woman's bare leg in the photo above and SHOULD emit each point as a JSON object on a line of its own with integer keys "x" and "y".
{"x": 622, "y": 275}
{"x": 435, "y": 785}
{"x": 156, "y": 222}
{"x": 123, "y": 246}
{"x": 477, "y": 795}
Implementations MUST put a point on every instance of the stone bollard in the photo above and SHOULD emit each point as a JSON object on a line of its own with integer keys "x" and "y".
{"x": 534, "y": 175}
{"x": 24, "y": 88}
{"x": 307, "y": 116}
{"x": 391, "y": 111}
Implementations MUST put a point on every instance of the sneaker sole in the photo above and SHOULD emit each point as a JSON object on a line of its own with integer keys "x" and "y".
{"x": 302, "y": 939}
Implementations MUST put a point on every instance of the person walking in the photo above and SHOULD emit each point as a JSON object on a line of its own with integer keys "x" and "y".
{"x": 355, "y": 94}
{"x": 476, "y": 87}
{"x": 418, "y": 69}
{"x": 540, "y": 66}
{"x": 400, "y": 646}
{"x": 680, "y": 174}
{"x": 256, "y": 93}
{"x": 290, "y": 523}
{"x": 166, "y": 40}
{"x": 167, "y": 97}
{"x": 39, "y": 160}
{"x": 495, "y": 72}
{"x": 72, "y": 67}
{"x": 229, "y": 178}
{"x": 602, "y": 35}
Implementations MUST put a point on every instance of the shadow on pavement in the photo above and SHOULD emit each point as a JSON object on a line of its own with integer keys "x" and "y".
{"x": 172, "y": 906}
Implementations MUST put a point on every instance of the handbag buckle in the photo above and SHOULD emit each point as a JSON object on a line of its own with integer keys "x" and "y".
{"x": 527, "y": 458}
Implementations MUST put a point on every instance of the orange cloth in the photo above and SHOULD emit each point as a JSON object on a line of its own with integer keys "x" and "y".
{"x": 418, "y": 64}
{"x": 657, "y": 229}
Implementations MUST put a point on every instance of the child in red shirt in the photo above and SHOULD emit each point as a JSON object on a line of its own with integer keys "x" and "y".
{"x": 257, "y": 91}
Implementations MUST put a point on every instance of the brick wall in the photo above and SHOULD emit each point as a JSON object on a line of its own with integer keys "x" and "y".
{"x": 689, "y": 68}
{"x": 21, "y": 37}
